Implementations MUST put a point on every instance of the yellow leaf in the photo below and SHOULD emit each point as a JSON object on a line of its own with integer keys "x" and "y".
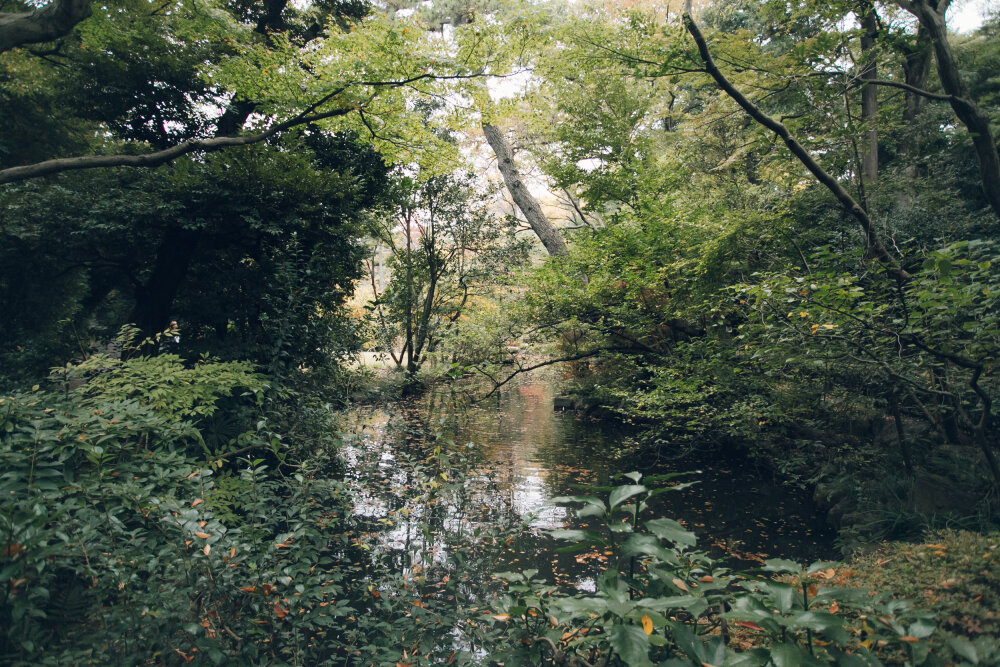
{"x": 647, "y": 625}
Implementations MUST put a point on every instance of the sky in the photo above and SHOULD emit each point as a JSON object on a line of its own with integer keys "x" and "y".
{"x": 967, "y": 15}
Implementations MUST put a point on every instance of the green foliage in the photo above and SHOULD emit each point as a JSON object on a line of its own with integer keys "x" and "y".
{"x": 662, "y": 602}
{"x": 444, "y": 251}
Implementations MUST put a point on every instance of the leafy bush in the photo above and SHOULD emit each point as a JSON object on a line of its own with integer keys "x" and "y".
{"x": 662, "y": 602}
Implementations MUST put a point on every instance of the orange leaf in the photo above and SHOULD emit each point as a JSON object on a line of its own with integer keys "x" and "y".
{"x": 909, "y": 639}
{"x": 680, "y": 584}
{"x": 12, "y": 549}
{"x": 748, "y": 624}
{"x": 501, "y": 617}
{"x": 197, "y": 502}
{"x": 647, "y": 625}
{"x": 834, "y": 608}
{"x": 280, "y": 611}
{"x": 203, "y": 536}
{"x": 707, "y": 579}
{"x": 248, "y": 589}
{"x": 207, "y": 549}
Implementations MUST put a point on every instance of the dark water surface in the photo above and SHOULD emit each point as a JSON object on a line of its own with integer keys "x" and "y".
{"x": 518, "y": 454}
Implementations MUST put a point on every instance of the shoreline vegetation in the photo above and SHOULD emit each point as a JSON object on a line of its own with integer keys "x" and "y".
{"x": 759, "y": 236}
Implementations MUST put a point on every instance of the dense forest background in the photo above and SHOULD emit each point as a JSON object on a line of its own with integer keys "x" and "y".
{"x": 765, "y": 230}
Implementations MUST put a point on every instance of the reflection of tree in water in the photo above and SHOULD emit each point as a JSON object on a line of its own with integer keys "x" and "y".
{"x": 524, "y": 454}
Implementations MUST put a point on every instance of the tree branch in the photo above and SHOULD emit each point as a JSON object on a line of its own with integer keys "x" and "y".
{"x": 845, "y": 199}
{"x": 904, "y": 86}
{"x": 45, "y": 24}
{"x": 157, "y": 158}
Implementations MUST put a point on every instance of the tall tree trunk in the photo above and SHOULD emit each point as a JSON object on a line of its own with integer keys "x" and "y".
{"x": 931, "y": 13}
{"x": 916, "y": 65}
{"x": 869, "y": 94}
{"x": 543, "y": 228}
{"x": 154, "y": 299}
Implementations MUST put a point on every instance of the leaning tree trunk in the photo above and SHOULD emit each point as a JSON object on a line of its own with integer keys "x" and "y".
{"x": 931, "y": 13}
{"x": 543, "y": 228}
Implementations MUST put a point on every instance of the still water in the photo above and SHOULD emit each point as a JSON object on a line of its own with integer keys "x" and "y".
{"x": 505, "y": 458}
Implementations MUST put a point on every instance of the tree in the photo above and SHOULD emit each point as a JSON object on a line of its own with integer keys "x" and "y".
{"x": 446, "y": 248}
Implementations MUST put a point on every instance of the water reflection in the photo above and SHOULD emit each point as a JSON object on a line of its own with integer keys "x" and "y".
{"x": 518, "y": 453}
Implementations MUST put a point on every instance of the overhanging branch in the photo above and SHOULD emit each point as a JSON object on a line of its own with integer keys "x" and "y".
{"x": 845, "y": 199}
{"x": 45, "y": 24}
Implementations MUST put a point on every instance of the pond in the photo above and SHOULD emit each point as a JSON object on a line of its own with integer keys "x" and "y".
{"x": 506, "y": 457}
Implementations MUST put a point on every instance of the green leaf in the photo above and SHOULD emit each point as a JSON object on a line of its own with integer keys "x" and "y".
{"x": 787, "y": 655}
{"x": 623, "y": 493}
{"x": 780, "y": 565}
{"x": 963, "y": 647}
{"x": 668, "y": 529}
{"x": 631, "y": 644}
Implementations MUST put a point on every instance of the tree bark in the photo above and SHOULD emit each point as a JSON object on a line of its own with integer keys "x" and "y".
{"x": 931, "y": 13}
{"x": 545, "y": 230}
{"x": 45, "y": 24}
{"x": 869, "y": 93}
{"x": 154, "y": 299}
{"x": 916, "y": 65}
